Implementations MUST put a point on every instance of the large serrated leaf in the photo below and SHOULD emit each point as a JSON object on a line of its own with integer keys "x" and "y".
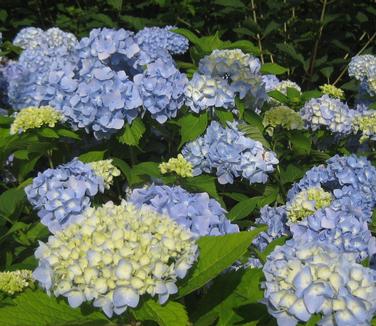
{"x": 254, "y": 133}
{"x": 133, "y": 133}
{"x": 169, "y": 314}
{"x": 192, "y": 126}
{"x": 36, "y": 308}
{"x": 216, "y": 254}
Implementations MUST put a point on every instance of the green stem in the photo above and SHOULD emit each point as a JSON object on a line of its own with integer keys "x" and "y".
{"x": 316, "y": 46}
{"x": 359, "y": 52}
{"x": 257, "y": 35}
{"x": 49, "y": 156}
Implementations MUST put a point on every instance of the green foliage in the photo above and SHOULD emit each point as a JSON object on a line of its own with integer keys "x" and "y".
{"x": 36, "y": 308}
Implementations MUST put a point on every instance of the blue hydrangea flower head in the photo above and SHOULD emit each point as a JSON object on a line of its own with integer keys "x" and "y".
{"x": 114, "y": 256}
{"x": 151, "y": 39}
{"x": 196, "y": 211}
{"x": 343, "y": 224}
{"x": 359, "y": 65}
{"x": 28, "y": 77}
{"x": 162, "y": 88}
{"x": 231, "y": 154}
{"x": 270, "y": 82}
{"x": 60, "y": 195}
{"x": 329, "y": 113}
{"x": 341, "y": 171}
{"x": 204, "y": 92}
{"x": 305, "y": 278}
{"x": 95, "y": 92}
{"x": 29, "y": 38}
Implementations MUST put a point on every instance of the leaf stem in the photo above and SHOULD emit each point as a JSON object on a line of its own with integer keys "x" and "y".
{"x": 257, "y": 35}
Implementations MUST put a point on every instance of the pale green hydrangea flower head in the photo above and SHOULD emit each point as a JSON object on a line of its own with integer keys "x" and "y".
{"x": 282, "y": 116}
{"x": 34, "y": 117}
{"x": 366, "y": 124}
{"x": 306, "y": 203}
{"x": 333, "y": 91}
{"x": 16, "y": 281}
{"x": 114, "y": 255}
{"x": 106, "y": 170}
{"x": 178, "y": 165}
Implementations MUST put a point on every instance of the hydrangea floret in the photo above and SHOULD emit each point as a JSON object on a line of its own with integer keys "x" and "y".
{"x": 282, "y": 116}
{"x": 35, "y": 117}
{"x": 178, "y": 165}
{"x": 15, "y": 281}
{"x": 359, "y": 65}
{"x": 60, "y": 195}
{"x": 231, "y": 154}
{"x": 198, "y": 212}
{"x": 303, "y": 279}
{"x": 106, "y": 170}
{"x": 115, "y": 255}
{"x": 306, "y": 203}
{"x": 333, "y": 91}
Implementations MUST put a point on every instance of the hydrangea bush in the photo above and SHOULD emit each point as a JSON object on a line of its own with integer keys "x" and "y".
{"x": 163, "y": 177}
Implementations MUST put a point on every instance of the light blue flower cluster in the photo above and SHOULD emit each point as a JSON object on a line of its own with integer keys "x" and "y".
{"x": 234, "y": 73}
{"x": 341, "y": 171}
{"x": 196, "y": 211}
{"x": 33, "y": 37}
{"x": 60, "y": 195}
{"x": 304, "y": 278}
{"x": 270, "y": 82}
{"x": 152, "y": 39}
{"x": 28, "y": 77}
{"x": 276, "y": 220}
{"x": 95, "y": 92}
{"x": 231, "y": 154}
{"x": 162, "y": 88}
{"x": 329, "y": 113}
{"x": 343, "y": 223}
{"x": 205, "y": 92}
{"x": 363, "y": 68}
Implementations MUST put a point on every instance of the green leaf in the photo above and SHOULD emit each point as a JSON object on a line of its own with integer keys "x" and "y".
{"x": 291, "y": 174}
{"x": 188, "y": 34}
{"x": 271, "y": 246}
{"x": 92, "y": 156}
{"x": 204, "y": 183}
{"x": 116, "y": 4}
{"x": 254, "y": 133}
{"x": 245, "y": 46}
{"x": 229, "y": 291}
{"x": 169, "y": 314}
{"x": 280, "y": 97}
{"x": 68, "y": 133}
{"x": 301, "y": 143}
{"x": 123, "y": 166}
{"x": 48, "y": 133}
{"x": 216, "y": 254}
{"x": 273, "y": 68}
{"x": 133, "y": 133}
{"x": 243, "y": 208}
{"x": 224, "y": 116}
{"x": 36, "y": 308}
{"x": 11, "y": 200}
{"x": 22, "y": 154}
{"x": 192, "y": 126}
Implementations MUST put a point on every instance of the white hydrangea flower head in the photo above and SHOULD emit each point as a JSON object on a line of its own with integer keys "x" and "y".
{"x": 106, "y": 170}
{"x": 303, "y": 279}
{"x": 306, "y": 203}
{"x": 114, "y": 255}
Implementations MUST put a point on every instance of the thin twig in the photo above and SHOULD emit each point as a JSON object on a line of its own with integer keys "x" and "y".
{"x": 257, "y": 35}
{"x": 316, "y": 46}
{"x": 359, "y": 52}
